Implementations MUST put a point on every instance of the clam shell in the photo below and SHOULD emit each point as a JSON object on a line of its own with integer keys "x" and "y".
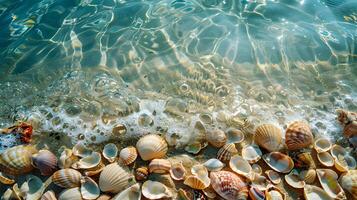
{"x": 45, "y": 161}
{"x": 345, "y": 163}
{"x": 293, "y": 179}
{"x": 279, "y": 162}
{"x": 80, "y": 150}
{"x": 67, "y": 178}
{"x": 226, "y": 152}
{"x": 209, "y": 192}
{"x": 113, "y": 178}
{"x": 322, "y": 145}
{"x": 228, "y": 185}
{"x": 131, "y": 193}
{"x": 312, "y": 192}
{"x": 49, "y": 195}
{"x": 128, "y": 155}
{"x": 89, "y": 161}
{"x": 308, "y": 175}
{"x": 337, "y": 151}
{"x": 348, "y": 182}
{"x": 235, "y": 136}
{"x": 194, "y": 148}
{"x": 305, "y": 159}
{"x": 202, "y": 173}
{"x": 274, "y": 193}
{"x": 256, "y": 194}
{"x": 213, "y": 164}
{"x": 110, "y": 152}
{"x": 151, "y": 146}
{"x": 89, "y": 189}
{"x": 17, "y": 160}
{"x": 273, "y": 176}
{"x": 141, "y": 173}
{"x": 159, "y": 166}
{"x": 155, "y": 190}
{"x": 67, "y": 159}
{"x": 260, "y": 182}
{"x": 94, "y": 171}
{"x": 325, "y": 159}
{"x": 35, "y": 187}
{"x": 328, "y": 180}
{"x": 298, "y": 135}
{"x": 71, "y": 194}
{"x": 269, "y": 137}
{"x": 6, "y": 180}
{"x": 216, "y": 138}
{"x": 251, "y": 153}
{"x": 178, "y": 171}
{"x": 195, "y": 182}
{"x": 241, "y": 166}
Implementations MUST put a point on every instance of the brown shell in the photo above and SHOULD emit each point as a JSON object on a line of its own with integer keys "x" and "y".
{"x": 228, "y": 185}
{"x": 67, "y": 178}
{"x": 298, "y": 135}
{"x": 141, "y": 173}
{"x": 195, "y": 183}
{"x": 216, "y": 138}
{"x": 17, "y": 160}
{"x": 226, "y": 152}
{"x": 159, "y": 166}
{"x": 45, "y": 161}
{"x": 268, "y": 136}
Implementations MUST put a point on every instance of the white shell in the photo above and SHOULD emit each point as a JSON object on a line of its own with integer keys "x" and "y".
{"x": 151, "y": 146}
{"x": 345, "y": 163}
{"x": 279, "y": 162}
{"x": 177, "y": 171}
{"x": 312, "y": 192}
{"x": 273, "y": 176}
{"x": 81, "y": 150}
{"x": 71, "y": 194}
{"x": 89, "y": 189}
{"x": 251, "y": 153}
{"x": 110, "y": 152}
{"x": 89, "y": 161}
{"x": 328, "y": 180}
{"x": 325, "y": 159}
{"x": 322, "y": 145}
{"x": 235, "y": 136}
{"x": 36, "y": 187}
{"x": 213, "y": 164}
{"x": 348, "y": 182}
{"x": 293, "y": 179}
{"x": 241, "y": 166}
{"x": 155, "y": 190}
{"x": 113, "y": 178}
{"x": 131, "y": 193}
{"x": 337, "y": 151}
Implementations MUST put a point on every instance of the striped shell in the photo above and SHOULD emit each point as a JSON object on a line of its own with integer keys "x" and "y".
{"x": 17, "y": 160}
{"x": 305, "y": 159}
{"x": 298, "y": 135}
{"x": 159, "y": 166}
{"x": 195, "y": 183}
{"x": 45, "y": 161}
{"x": 269, "y": 137}
{"x": 216, "y": 138}
{"x": 128, "y": 155}
{"x": 49, "y": 195}
{"x": 151, "y": 146}
{"x": 141, "y": 173}
{"x": 113, "y": 178}
{"x": 348, "y": 182}
{"x": 67, "y": 178}
{"x": 226, "y": 152}
{"x": 228, "y": 185}
{"x": 71, "y": 194}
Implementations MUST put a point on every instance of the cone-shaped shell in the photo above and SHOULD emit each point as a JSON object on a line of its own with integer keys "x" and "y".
{"x": 159, "y": 166}
{"x": 110, "y": 152}
{"x": 241, "y": 166}
{"x": 155, "y": 190}
{"x": 348, "y": 182}
{"x": 298, "y": 135}
{"x": 251, "y": 153}
{"x": 260, "y": 182}
{"x": 88, "y": 162}
{"x": 213, "y": 164}
{"x": 235, "y": 136}
{"x": 256, "y": 194}
{"x": 67, "y": 178}
{"x": 322, "y": 145}
{"x": 113, "y": 178}
{"x": 49, "y": 195}
{"x": 337, "y": 151}
{"x": 328, "y": 180}
{"x": 273, "y": 176}
{"x": 141, "y": 173}
{"x": 71, "y": 194}
{"x": 128, "y": 155}
{"x": 45, "y": 161}
{"x": 89, "y": 189}
{"x": 325, "y": 159}
{"x": 195, "y": 183}
{"x": 308, "y": 175}
{"x": 269, "y": 137}
{"x": 226, "y": 152}
{"x": 279, "y": 162}
{"x": 177, "y": 171}
{"x": 312, "y": 192}
{"x": 293, "y": 179}
{"x": 216, "y": 138}
{"x": 17, "y": 160}
{"x": 151, "y": 146}
{"x": 131, "y": 193}
{"x": 228, "y": 185}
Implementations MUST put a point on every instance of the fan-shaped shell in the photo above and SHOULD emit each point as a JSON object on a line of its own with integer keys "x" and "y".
{"x": 113, "y": 178}
{"x": 128, "y": 155}
{"x": 151, "y": 146}
{"x": 110, "y": 152}
{"x": 279, "y": 162}
{"x": 202, "y": 173}
{"x": 305, "y": 159}
{"x": 155, "y": 190}
{"x": 67, "y": 178}
{"x": 88, "y": 162}
{"x": 322, "y": 145}
{"x": 228, "y": 185}
{"x": 49, "y": 195}
{"x": 178, "y": 171}
{"x": 273, "y": 176}
{"x": 298, "y": 135}
{"x": 312, "y": 192}
{"x": 269, "y": 137}
{"x": 195, "y": 182}
{"x": 308, "y": 175}
{"x": 45, "y": 161}
{"x": 17, "y": 160}
{"x": 131, "y": 193}
{"x": 328, "y": 180}
{"x": 159, "y": 166}
{"x": 216, "y": 138}
{"x": 226, "y": 152}
{"x": 235, "y": 136}
{"x": 325, "y": 159}
{"x": 348, "y": 182}
{"x": 89, "y": 189}
{"x": 293, "y": 179}
{"x": 251, "y": 153}
{"x": 241, "y": 166}
{"x": 71, "y": 194}
{"x": 141, "y": 173}
{"x": 256, "y": 194}
{"x": 213, "y": 164}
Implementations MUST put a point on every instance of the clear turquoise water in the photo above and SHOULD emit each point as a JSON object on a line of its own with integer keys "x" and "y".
{"x": 81, "y": 67}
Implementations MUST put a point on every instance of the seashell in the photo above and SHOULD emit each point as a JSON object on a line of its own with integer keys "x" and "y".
{"x": 216, "y": 138}
{"x": 195, "y": 182}
{"x": 45, "y": 161}
{"x": 4, "y": 179}
{"x": 251, "y": 153}
{"x": 328, "y": 180}
{"x": 241, "y": 166}
{"x": 348, "y": 182}
{"x": 131, "y": 193}
{"x": 274, "y": 193}
{"x": 298, "y": 135}
{"x": 155, "y": 190}
{"x": 128, "y": 155}
{"x": 325, "y": 159}
{"x": 80, "y": 150}
{"x": 344, "y": 163}
{"x": 194, "y": 148}
{"x": 209, "y": 192}
{"x": 235, "y": 136}
{"x": 256, "y": 194}
{"x": 305, "y": 159}
{"x": 312, "y": 192}
{"x": 322, "y": 145}
{"x": 213, "y": 164}
{"x": 88, "y": 162}
{"x": 17, "y": 160}
{"x": 104, "y": 197}
{"x": 35, "y": 187}
{"x": 279, "y": 162}
{"x": 183, "y": 195}
{"x": 113, "y": 178}
{"x": 308, "y": 175}
{"x": 293, "y": 179}
{"x": 260, "y": 182}
{"x": 67, "y": 178}
{"x": 202, "y": 173}
{"x": 269, "y": 137}
{"x": 110, "y": 152}
{"x": 178, "y": 171}
{"x": 89, "y": 189}
{"x": 228, "y": 185}
{"x": 151, "y": 146}
{"x": 226, "y": 152}
{"x": 141, "y": 173}
{"x": 160, "y": 166}
{"x": 94, "y": 171}
{"x": 71, "y": 194}
{"x": 257, "y": 169}
{"x": 273, "y": 176}
{"x": 337, "y": 151}
{"x": 66, "y": 159}
{"x": 49, "y": 195}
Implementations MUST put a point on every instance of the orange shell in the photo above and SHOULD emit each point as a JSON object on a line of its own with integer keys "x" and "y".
{"x": 228, "y": 185}
{"x": 298, "y": 135}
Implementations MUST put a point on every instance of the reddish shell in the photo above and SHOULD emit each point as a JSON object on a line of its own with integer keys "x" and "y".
{"x": 298, "y": 135}
{"x": 228, "y": 185}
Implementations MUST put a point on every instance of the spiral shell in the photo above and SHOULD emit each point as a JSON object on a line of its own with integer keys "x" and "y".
{"x": 113, "y": 178}
{"x": 141, "y": 173}
{"x": 228, "y": 185}
{"x": 328, "y": 180}
{"x": 226, "y": 152}
{"x": 17, "y": 160}
{"x": 348, "y": 182}
{"x": 45, "y": 161}
{"x": 269, "y": 137}
{"x": 67, "y": 178}
{"x": 128, "y": 155}
{"x": 49, "y": 195}
{"x": 155, "y": 190}
{"x": 216, "y": 138}
{"x": 151, "y": 146}
{"x": 159, "y": 166}
{"x": 71, "y": 194}
{"x": 298, "y": 135}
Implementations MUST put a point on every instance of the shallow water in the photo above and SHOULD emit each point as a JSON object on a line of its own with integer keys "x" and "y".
{"x": 79, "y": 68}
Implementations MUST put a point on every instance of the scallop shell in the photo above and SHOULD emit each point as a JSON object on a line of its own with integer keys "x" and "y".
{"x": 251, "y": 153}
{"x": 49, "y": 195}
{"x": 155, "y": 190}
{"x": 257, "y": 169}
{"x": 345, "y": 163}
{"x": 269, "y": 137}
{"x": 113, "y": 178}
{"x": 178, "y": 171}
{"x": 256, "y": 194}
{"x": 110, "y": 152}
{"x": 273, "y": 176}
{"x": 159, "y": 166}
{"x": 17, "y": 160}
{"x": 274, "y": 193}
{"x": 312, "y": 192}
{"x": 325, "y": 159}
{"x": 213, "y": 164}
{"x": 194, "y": 148}
{"x": 305, "y": 159}
{"x": 337, "y": 151}
{"x": 141, "y": 173}
{"x": 348, "y": 182}
{"x": 71, "y": 194}
{"x": 279, "y": 162}
{"x": 88, "y": 162}
{"x": 131, "y": 193}
{"x": 89, "y": 189}
{"x": 308, "y": 175}
{"x": 45, "y": 161}
{"x": 241, "y": 166}
{"x": 298, "y": 135}
{"x": 67, "y": 178}
{"x": 216, "y": 138}
{"x": 328, "y": 180}
{"x": 322, "y": 145}
{"x": 5, "y": 179}
{"x": 80, "y": 150}
{"x": 128, "y": 155}
{"x": 228, "y": 185}
{"x": 151, "y": 146}
{"x": 104, "y": 197}
{"x": 235, "y": 136}
{"x": 195, "y": 182}
{"x": 226, "y": 152}
{"x": 293, "y": 179}
{"x": 202, "y": 173}
{"x": 67, "y": 158}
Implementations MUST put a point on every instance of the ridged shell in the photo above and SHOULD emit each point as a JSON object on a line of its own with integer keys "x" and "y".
{"x": 298, "y": 135}
{"x": 293, "y": 179}
{"x": 67, "y": 178}
{"x": 256, "y": 194}
{"x": 213, "y": 165}
{"x": 273, "y": 176}
{"x": 131, "y": 193}
{"x": 195, "y": 183}
{"x": 89, "y": 189}
{"x": 312, "y": 192}
{"x": 128, "y": 155}
{"x": 104, "y": 197}
{"x": 177, "y": 171}
{"x": 348, "y": 182}
{"x": 6, "y": 180}
{"x": 308, "y": 175}
{"x": 110, "y": 152}
{"x": 155, "y": 190}
{"x": 269, "y": 137}
{"x": 17, "y": 160}
{"x": 226, "y": 152}
{"x": 322, "y": 145}
{"x": 71, "y": 194}
{"x": 141, "y": 173}
{"x": 325, "y": 159}
{"x": 201, "y": 172}
{"x": 49, "y": 195}
{"x": 216, "y": 138}
{"x": 159, "y": 166}
{"x": 241, "y": 166}
{"x": 251, "y": 153}
{"x": 228, "y": 185}
{"x": 67, "y": 158}
{"x": 279, "y": 162}
{"x": 151, "y": 146}
{"x": 235, "y": 136}
{"x": 113, "y": 178}
{"x": 88, "y": 162}
{"x": 45, "y": 161}
{"x": 328, "y": 180}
